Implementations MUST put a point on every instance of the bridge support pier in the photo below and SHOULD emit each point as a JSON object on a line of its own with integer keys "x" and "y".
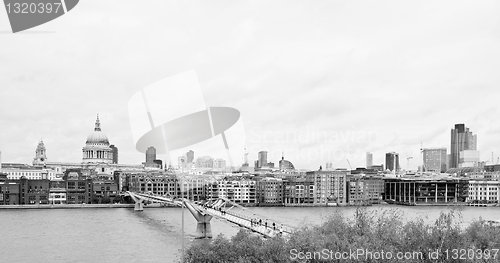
{"x": 139, "y": 206}
{"x": 203, "y": 228}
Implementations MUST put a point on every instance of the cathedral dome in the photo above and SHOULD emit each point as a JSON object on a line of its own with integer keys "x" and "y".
{"x": 97, "y": 136}
{"x": 286, "y": 165}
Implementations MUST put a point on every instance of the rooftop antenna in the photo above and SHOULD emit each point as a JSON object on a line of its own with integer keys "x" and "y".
{"x": 421, "y": 168}
{"x": 245, "y": 156}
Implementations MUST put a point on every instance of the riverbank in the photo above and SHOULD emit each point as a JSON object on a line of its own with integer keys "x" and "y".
{"x": 65, "y": 206}
{"x": 156, "y": 205}
{"x": 77, "y": 206}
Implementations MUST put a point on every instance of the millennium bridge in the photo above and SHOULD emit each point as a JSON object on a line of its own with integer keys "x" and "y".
{"x": 219, "y": 208}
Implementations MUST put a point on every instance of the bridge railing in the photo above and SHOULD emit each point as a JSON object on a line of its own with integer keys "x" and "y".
{"x": 216, "y": 205}
{"x": 278, "y": 225}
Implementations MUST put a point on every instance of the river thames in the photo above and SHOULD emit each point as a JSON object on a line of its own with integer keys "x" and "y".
{"x": 154, "y": 235}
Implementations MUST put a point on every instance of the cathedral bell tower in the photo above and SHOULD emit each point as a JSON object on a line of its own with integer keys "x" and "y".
{"x": 40, "y": 154}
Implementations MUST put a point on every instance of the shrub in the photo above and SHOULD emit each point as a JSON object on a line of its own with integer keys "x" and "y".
{"x": 370, "y": 231}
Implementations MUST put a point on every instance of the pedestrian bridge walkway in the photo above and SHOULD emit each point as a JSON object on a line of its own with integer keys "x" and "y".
{"x": 220, "y": 208}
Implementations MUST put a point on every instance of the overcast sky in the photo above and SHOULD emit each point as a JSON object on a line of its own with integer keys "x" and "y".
{"x": 323, "y": 81}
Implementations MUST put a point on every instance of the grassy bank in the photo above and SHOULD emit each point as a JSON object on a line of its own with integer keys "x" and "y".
{"x": 370, "y": 236}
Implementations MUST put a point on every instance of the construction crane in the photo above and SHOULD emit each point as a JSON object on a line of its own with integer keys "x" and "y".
{"x": 349, "y": 164}
{"x": 404, "y": 150}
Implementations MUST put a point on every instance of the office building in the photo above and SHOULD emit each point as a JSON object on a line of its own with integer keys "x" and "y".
{"x": 204, "y": 162}
{"x": 369, "y": 160}
{"x": 262, "y": 161}
{"x": 114, "y": 151}
{"x": 190, "y": 156}
{"x": 150, "y": 155}
{"x": 219, "y": 163}
{"x": 468, "y": 158}
{"x": 425, "y": 190}
{"x": 461, "y": 139}
{"x": 392, "y": 161}
{"x": 434, "y": 159}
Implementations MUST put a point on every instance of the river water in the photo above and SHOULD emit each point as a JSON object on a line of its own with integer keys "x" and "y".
{"x": 154, "y": 235}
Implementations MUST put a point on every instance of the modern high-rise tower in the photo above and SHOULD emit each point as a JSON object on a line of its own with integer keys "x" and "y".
{"x": 114, "y": 150}
{"x": 190, "y": 156}
{"x": 150, "y": 155}
{"x": 392, "y": 161}
{"x": 262, "y": 161}
{"x": 461, "y": 139}
{"x": 369, "y": 160}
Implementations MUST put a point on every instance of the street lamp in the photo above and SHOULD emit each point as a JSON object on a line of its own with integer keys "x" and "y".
{"x": 181, "y": 182}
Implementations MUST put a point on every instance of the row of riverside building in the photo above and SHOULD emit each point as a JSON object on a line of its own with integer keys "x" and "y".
{"x": 82, "y": 186}
{"x": 314, "y": 188}
{"x": 302, "y": 188}
{"x": 321, "y": 188}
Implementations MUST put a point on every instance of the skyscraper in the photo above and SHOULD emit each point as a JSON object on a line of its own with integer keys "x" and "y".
{"x": 150, "y": 155}
{"x": 434, "y": 159}
{"x": 369, "y": 159}
{"x": 114, "y": 150}
{"x": 392, "y": 161}
{"x": 461, "y": 139}
{"x": 190, "y": 156}
{"x": 262, "y": 162}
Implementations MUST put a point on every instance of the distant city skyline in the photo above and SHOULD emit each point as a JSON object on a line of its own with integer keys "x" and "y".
{"x": 322, "y": 82}
{"x": 391, "y": 158}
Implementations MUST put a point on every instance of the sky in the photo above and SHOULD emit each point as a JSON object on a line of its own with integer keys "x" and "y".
{"x": 321, "y": 81}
